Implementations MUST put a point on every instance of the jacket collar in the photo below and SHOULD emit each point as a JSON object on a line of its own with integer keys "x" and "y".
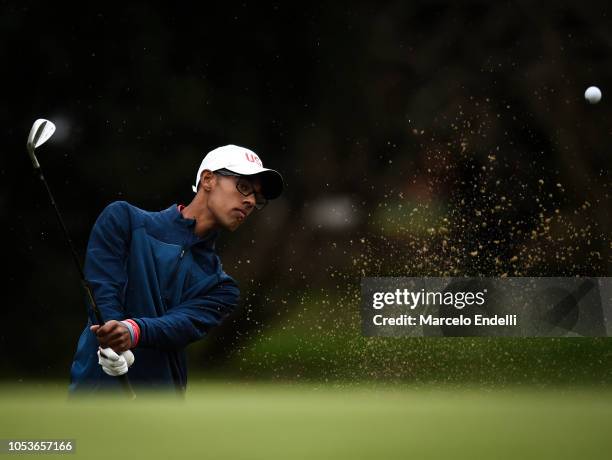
{"x": 174, "y": 215}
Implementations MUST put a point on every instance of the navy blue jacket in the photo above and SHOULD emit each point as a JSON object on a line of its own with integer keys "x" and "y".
{"x": 151, "y": 267}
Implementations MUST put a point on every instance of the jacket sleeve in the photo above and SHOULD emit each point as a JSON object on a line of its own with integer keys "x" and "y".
{"x": 105, "y": 261}
{"x": 190, "y": 320}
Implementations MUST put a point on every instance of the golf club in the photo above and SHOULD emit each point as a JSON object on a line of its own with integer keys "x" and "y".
{"x": 40, "y": 133}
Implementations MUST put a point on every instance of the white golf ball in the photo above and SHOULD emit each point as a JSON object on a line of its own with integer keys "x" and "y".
{"x": 592, "y": 94}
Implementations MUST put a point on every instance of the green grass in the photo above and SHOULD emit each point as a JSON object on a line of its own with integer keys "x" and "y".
{"x": 283, "y": 421}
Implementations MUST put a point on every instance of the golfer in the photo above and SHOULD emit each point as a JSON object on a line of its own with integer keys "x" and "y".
{"x": 157, "y": 279}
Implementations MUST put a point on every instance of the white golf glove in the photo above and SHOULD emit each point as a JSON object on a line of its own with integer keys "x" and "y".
{"x": 114, "y": 364}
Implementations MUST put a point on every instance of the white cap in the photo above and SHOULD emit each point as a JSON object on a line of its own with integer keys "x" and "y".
{"x": 245, "y": 162}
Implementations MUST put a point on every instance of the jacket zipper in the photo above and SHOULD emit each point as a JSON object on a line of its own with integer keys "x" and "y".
{"x": 176, "y": 270}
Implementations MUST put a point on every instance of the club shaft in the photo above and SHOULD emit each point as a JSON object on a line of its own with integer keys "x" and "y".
{"x": 75, "y": 256}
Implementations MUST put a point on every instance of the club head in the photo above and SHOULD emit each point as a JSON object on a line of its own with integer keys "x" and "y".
{"x": 40, "y": 133}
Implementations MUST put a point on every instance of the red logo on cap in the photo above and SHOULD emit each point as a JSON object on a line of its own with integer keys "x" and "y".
{"x": 253, "y": 158}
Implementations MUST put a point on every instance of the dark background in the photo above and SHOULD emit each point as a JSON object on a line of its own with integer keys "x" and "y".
{"x": 421, "y": 138}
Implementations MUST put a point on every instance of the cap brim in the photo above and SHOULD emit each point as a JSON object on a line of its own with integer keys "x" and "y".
{"x": 271, "y": 181}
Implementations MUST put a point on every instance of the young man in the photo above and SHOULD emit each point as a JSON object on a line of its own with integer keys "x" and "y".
{"x": 156, "y": 277}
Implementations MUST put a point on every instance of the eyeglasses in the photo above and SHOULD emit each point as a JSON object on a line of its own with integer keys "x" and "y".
{"x": 245, "y": 187}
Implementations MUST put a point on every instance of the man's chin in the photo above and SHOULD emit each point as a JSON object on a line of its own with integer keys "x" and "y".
{"x": 233, "y": 226}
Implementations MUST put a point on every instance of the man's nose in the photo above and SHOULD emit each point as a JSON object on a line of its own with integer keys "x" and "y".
{"x": 249, "y": 200}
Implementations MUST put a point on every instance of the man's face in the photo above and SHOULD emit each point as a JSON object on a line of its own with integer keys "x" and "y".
{"x": 229, "y": 207}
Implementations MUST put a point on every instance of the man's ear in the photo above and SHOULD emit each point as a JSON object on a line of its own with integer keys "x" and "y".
{"x": 207, "y": 180}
